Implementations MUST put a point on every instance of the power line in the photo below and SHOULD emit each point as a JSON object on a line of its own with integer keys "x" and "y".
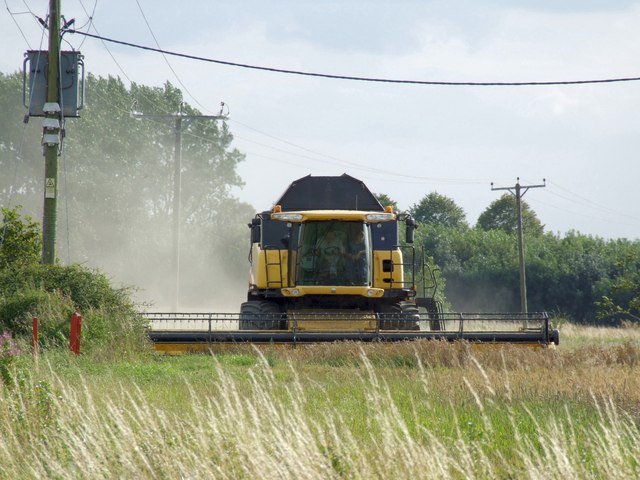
{"x": 92, "y": 24}
{"x": 18, "y": 153}
{"x": 360, "y": 79}
{"x": 293, "y": 163}
{"x": 590, "y": 203}
{"x": 13, "y": 17}
{"x": 406, "y": 179}
{"x": 178, "y": 120}
{"x": 331, "y": 160}
{"x": 535, "y": 201}
{"x": 175, "y": 74}
{"x": 335, "y": 161}
{"x": 89, "y": 21}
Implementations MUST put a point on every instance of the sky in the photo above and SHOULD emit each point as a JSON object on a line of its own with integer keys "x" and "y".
{"x": 402, "y": 140}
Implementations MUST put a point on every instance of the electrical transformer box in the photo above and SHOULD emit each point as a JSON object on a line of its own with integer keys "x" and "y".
{"x": 71, "y": 84}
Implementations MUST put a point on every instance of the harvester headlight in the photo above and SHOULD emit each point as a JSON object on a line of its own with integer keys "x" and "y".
{"x": 371, "y": 293}
{"x": 380, "y": 217}
{"x": 287, "y": 217}
{"x": 295, "y": 292}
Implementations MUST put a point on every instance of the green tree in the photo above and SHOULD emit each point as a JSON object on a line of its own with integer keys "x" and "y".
{"x": 437, "y": 209}
{"x": 583, "y": 278}
{"x": 20, "y": 239}
{"x": 21, "y": 161}
{"x": 116, "y": 184}
{"x": 385, "y": 200}
{"x": 502, "y": 215}
{"x": 622, "y": 302}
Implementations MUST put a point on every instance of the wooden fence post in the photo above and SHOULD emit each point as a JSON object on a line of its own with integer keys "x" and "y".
{"x": 34, "y": 344}
{"x": 76, "y": 329}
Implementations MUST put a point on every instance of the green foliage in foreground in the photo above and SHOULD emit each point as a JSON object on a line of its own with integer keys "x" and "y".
{"x": 54, "y": 293}
{"x": 321, "y": 412}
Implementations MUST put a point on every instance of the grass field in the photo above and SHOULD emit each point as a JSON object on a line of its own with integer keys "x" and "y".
{"x": 411, "y": 410}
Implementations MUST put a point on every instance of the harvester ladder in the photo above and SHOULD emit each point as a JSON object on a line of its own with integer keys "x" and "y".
{"x": 273, "y": 283}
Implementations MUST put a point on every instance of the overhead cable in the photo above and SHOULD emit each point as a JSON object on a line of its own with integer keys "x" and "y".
{"x": 359, "y": 79}
{"x": 89, "y": 21}
{"x": 13, "y": 17}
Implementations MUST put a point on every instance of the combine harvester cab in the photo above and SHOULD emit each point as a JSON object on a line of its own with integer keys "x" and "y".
{"x": 327, "y": 264}
{"x": 327, "y": 258}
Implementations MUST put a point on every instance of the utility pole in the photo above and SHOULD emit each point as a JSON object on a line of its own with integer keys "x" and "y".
{"x": 517, "y": 190}
{"x": 177, "y": 200}
{"x": 51, "y": 137}
{"x": 177, "y": 121}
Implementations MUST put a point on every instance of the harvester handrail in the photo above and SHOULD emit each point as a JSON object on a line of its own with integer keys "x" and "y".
{"x": 399, "y": 248}
{"x": 210, "y": 328}
{"x": 434, "y": 279}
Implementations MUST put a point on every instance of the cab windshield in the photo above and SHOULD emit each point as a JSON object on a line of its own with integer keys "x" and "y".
{"x": 333, "y": 253}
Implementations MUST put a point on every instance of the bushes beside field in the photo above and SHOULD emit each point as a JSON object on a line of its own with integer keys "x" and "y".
{"x": 582, "y": 278}
{"x": 54, "y": 292}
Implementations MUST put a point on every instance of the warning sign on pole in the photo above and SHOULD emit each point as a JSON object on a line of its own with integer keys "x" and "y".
{"x": 50, "y": 188}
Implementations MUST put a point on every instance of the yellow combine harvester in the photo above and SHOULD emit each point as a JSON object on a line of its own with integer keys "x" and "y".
{"x": 327, "y": 264}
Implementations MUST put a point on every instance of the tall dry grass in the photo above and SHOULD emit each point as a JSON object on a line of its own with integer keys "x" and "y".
{"x": 588, "y": 335}
{"x": 516, "y": 373}
{"x": 264, "y": 425}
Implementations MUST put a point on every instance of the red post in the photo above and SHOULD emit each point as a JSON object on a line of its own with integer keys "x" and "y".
{"x": 35, "y": 336}
{"x": 74, "y": 337}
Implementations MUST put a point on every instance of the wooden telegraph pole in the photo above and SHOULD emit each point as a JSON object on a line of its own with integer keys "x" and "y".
{"x": 51, "y": 137}
{"x": 177, "y": 120}
{"x": 517, "y": 190}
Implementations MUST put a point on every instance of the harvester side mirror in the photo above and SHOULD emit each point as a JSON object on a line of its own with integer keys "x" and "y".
{"x": 255, "y": 230}
{"x": 410, "y": 229}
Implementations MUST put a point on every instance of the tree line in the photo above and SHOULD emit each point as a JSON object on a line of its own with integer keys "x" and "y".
{"x": 581, "y": 277}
